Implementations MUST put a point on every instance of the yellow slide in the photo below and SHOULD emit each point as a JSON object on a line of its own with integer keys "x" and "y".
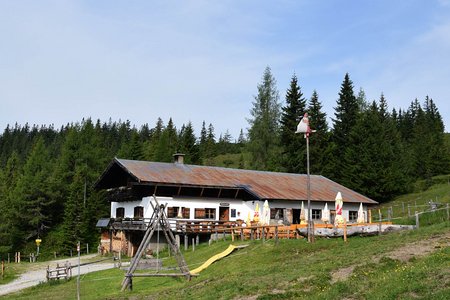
{"x": 207, "y": 263}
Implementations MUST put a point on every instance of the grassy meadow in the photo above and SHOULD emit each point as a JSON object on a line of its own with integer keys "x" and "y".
{"x": 402, "y": 265}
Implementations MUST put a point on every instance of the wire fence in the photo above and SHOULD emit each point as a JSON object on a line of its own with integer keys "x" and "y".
{"x": 429, "y": 213}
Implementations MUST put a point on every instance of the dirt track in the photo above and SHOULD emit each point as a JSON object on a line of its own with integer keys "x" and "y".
{"x": 38, "y": 273}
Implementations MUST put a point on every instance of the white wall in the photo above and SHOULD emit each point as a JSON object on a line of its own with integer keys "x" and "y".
{"x": 242, "y": 207}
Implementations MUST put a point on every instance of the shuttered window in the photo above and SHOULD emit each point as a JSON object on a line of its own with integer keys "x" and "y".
{"x": 138, "y": 212}
{"x": 120, "y": 212}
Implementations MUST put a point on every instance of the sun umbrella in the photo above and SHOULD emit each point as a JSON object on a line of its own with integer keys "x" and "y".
{"x": 303, "y": 215}
{"x": 265, "y": 214}
{"x": 326, "y": 214}
{"x": 249, "y": 219}
{"x": 256, "y": 215}
{"x": 338, "y": 205}
{"x": 360, "y": 214}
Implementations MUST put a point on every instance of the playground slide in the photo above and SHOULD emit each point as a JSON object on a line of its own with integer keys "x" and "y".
{"x": 218, "y": 256}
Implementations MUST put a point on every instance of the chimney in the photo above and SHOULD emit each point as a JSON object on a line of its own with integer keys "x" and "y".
{"x": 178, "y": 158}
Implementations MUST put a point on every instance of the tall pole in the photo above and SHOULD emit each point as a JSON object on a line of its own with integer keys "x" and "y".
{"x": 308, "y": 189}
{"x": 303, "y": 127}
{"x": 78, "y": 279}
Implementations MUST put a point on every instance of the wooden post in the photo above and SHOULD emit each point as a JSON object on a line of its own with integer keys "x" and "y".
{"x": 54, "y": 253}
{"x": 3, "y": 268}
{"x": 87, "y": 248}
{"x": 193, "y": 244}
{"x": 417, "y": 220}
{"x": 409, "y": 210}
{"x": 379, "y": 214}
{"x": 18, "y": 257}
{"x": 392, "y": 212}
{"x": 369, "y": 212}
{"x": 197, "y": 240}
{"x": 177, "y": 239}
{"x": 379, "y": 228}
{"x": 313, "y": 239}
{"x": 186, "y": 242}
{"x": 232, "y": 235}
{"x": 262, "y": 234}
{"x": 251, "y": 234}
{"x": 276, "y": 235}
{"x": 345, "y": 230}
{"x": 110, "y": 241}
{"x": 448, "y": 219}
{"x": 288, "y": 234}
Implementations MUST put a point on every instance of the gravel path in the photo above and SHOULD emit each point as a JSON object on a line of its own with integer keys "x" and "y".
{"x": 38, "y": 273}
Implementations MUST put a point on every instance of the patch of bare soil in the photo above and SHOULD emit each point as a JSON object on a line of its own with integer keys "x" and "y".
{"x": 342, "y": 274}
{"x": 418, "y": 249}
{"x": 404, "y": 254}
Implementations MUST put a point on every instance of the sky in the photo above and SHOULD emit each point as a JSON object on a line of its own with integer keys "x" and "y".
{"x": 62, "y": 60}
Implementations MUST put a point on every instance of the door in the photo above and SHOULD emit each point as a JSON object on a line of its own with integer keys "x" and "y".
{"x": 224, "y": 213}
{"x": 296, "y": 216}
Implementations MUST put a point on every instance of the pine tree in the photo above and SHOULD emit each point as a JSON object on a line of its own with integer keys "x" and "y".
{"x": 34, "y": 197}
{"x": 319, "y": 141}
{"x": 293, "y": 145}
{"x": 10, "y": 235}
{"x": 151, "y": 146}
{"x": 188, "y": 144}
{"x": 263, "y": 133}
{"x": 210, "y": 146}
{"x": 346, "y": 115}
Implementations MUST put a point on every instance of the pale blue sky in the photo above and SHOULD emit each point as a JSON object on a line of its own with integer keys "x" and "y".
{"x": 61, "y": 61}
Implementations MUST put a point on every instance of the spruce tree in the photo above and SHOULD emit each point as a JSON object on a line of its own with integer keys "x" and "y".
{"x": 263, "y": 133}
{"x": 34, "y": 197}
{"x": 293, "y": 145}
{"x": 188, "y": 144}
{"x": 10, "y": 235}
{"x": 346, "y": 115}
{"x": 319, "y": 141}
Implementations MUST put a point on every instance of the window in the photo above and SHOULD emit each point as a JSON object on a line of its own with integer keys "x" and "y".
{"x": 186, "y": 212}
{"x": 120, "y": 212}
{"x": 352, "y": 215}
{"x": 174, "y": 212}
{"x": 210, "y": 213}
{"x": 233, "y": 213}
{"x": 277, "y": 213}
{"x": 138, "y": 212}
{"x": 316, "y": 214}
{"x": 205, "y": 213}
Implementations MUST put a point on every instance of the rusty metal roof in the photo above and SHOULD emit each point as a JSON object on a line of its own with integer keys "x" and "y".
{"x": 266, "y": 185}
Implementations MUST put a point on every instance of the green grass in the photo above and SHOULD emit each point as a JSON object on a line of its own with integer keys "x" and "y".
{"x": 419, "y": 201}
{"x": 295, "y": 269}
{"x": 292, "y": 270}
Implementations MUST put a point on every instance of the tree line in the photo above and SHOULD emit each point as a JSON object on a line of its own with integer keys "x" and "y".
{"x": 47, "y": 174}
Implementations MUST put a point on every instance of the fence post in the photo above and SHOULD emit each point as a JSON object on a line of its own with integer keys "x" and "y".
{"x": 409, "y": 211}
{"x": 276, "y": 235}
{"x": 448, "y": 215}
{"x": 87, "y": 248}
{"x": 417, "y": 220}
{"x": 186, "y": 242}
{"x": 379, "y": 214}
{"x": 193, "y": 244}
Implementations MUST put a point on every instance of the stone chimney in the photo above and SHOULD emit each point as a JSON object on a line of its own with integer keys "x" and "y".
{"x": 178, "y": 158}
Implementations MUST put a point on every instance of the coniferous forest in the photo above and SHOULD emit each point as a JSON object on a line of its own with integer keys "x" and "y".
{"x": 47, "y": 174}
